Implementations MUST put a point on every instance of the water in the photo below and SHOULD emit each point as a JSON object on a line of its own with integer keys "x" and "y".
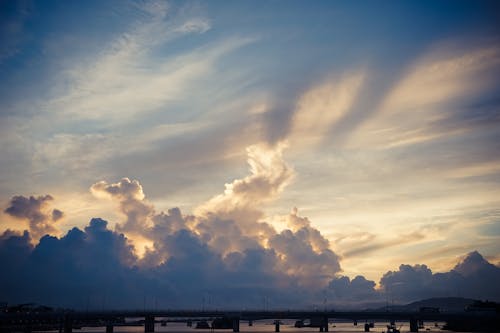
{"x": 267, "y": 326}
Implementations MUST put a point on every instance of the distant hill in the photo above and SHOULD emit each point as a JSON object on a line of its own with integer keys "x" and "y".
{"x": 445, "y": 304}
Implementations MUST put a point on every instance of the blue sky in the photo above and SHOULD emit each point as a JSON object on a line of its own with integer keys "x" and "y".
{"x": 378, "y": 121}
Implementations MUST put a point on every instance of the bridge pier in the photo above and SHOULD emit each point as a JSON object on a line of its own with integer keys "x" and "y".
{"x": 236, "y": 324}
{"x": 68, "y": 324}
{"x": 276, "y": 325}
{"x": 109, "y": 328}
{"x": 413, "y": 325}
{"x": 367, "y": 327}
{"x": 323, "y": 324}
{"x": 149, "y": 324}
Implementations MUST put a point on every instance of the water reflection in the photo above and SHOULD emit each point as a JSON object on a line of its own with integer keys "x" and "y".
{"x": 268, "y": 327}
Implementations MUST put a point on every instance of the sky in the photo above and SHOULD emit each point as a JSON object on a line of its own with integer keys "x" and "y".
{"x": 299, "y": 145}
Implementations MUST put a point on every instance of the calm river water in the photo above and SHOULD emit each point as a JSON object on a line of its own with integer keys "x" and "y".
{"x": 268, "y": 327}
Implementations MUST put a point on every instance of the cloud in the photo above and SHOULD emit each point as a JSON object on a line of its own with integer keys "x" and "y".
{"x": 452, "y": 73}
{"x": 195, "y": 25}
{"x": 230, "y": 224}
{"x": 132, "y": 76}
{"x": 36, "y": 210}
{"x": 473, "y": 264}
{"x": 358, "y": 289}
{"x": 473, "y": 277}
{"x": 412, "y": 113}
{"x": 321, "y": 107}
{"x": 300, "y": 260}
{"x": 99, "y": 266}
{"x": 67, "y": 271}
{"x": 233, "y": 220}
{"x": 75, "y": 151}
{"x": 129, "y": 196}
{"x": 269, "y": 175}
{"x": 226, "y": 247}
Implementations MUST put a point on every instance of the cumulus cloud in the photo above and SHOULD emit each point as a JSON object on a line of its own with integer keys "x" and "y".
{"x": 226, "y": 247}
{"x": 231, "y": 226}
{"x": 298, "y": 258}
{"x": 129, "y": 194}
{"x": 67, "y": 270}
{"x": 356, "y": 290}
{"x": 98, "y": 265}
{"x": 36, "y": 210}
{"x": 407, "y": 281}
{"x": 473, "y": 277}
{"x": 269, "y": 175}
{"x": 233, "y": 220}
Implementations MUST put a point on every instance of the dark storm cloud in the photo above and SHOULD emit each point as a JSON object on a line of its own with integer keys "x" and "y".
{"x": 357, "y": 289}
{"x": 35, "y": 210}
{"x": 473, "y": 277}
{"x": 99, "y": 264}
{"x": 98, "y": 267}
{"x": 224, "y": 249}
{"x": 65, "y": 271}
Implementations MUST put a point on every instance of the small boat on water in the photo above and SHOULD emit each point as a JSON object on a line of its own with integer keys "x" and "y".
{"x": 392, "y": 329}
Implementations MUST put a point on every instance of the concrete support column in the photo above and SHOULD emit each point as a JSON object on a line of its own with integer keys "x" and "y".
{"x": 413, "y": 325}
{"x": 236, "y": 324}
{"x": 149, "y": 324}
{"x": 276, "y": 325}
{"x": 109, "y": 328}
{"x": 325, "y": 324}
{"x": 68, "y": 324}
{"x": 367, "y": 327}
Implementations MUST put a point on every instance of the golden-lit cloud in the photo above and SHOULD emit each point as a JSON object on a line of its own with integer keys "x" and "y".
{"x": 428, "y": 94}
{"x": 319, "y": 108}
{"x": 37, "y": 212}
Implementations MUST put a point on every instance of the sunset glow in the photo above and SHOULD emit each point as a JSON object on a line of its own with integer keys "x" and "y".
{"x": 270, "y": 147}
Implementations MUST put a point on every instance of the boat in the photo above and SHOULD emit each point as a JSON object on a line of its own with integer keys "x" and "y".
{"x": 392, "y": 329}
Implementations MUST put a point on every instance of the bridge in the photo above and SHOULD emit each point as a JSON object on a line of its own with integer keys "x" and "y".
{"x": 66, "y": 321}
